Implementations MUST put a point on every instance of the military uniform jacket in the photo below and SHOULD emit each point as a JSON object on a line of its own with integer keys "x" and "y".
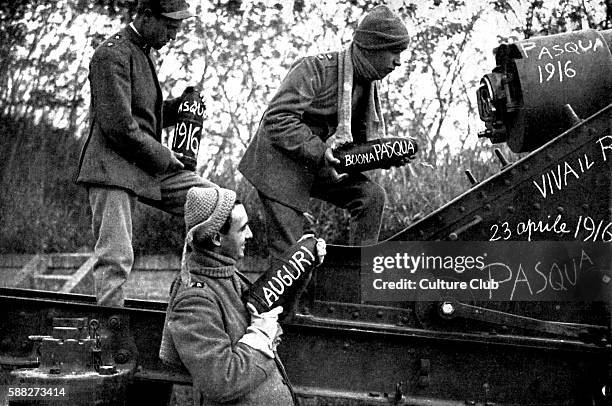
{"x": 127, "y": 115}
{"x": 284, "y": 157}
{"x": 204, "y": 323}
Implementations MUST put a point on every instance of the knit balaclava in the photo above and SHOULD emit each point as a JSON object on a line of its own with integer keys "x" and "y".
{"x": 206, "y": 209}
{"x": 381, "y": 29}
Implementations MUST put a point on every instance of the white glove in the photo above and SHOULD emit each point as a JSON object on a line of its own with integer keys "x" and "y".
{"x": 267, "y": 322}
{"x": 263, "y": 333}
{"x": 320, "y": 247}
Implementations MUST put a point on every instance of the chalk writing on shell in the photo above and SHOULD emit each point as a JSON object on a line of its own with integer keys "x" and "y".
{"x": 552, "y": 67}
{"x": 186, "y": 138}
{"x": 374, "y": 154}
{"x": 281, "y": 283}
{"x": 193, "y": 107}
{"x": 188, "y": 128}
{"x": 299, "y": 263}
{"x": 564, "y": 173}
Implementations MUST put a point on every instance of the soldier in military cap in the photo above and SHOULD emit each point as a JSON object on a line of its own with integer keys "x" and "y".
{"x": 331, "y": 97}
{"x": 123, "y": 159}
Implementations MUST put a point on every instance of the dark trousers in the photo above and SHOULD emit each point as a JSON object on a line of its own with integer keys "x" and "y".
{"x": 364, "y": 199}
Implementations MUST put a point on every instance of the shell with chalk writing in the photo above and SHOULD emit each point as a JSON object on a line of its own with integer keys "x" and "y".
{"x": 188, "y": 129}
{"x": 282, "y": 284}
{"x": 375, "y": 154}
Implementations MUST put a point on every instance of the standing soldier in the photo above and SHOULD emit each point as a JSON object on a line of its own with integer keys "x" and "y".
{"x": 332, "y": 97}
{"x": 123, "y": 159}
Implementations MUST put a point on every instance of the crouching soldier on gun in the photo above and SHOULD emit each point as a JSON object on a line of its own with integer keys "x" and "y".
{"x": 227, "y": 346}
{"x": 324, "y": 100}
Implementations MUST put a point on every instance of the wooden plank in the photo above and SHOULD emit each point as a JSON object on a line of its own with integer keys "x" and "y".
{"x": 52, "y": 277}
{"x": 49, "y": 282}
{"x": 68, "y": 260}
{"x": 24, "y": 276}
{"x": 14, "y": 260}
{"x": 10, "y": 267}
{"x": 157, "y": 262}
{"x": 79, "y": 275}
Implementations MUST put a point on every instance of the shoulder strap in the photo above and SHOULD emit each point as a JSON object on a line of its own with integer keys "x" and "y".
{"x": 243, "y": 278}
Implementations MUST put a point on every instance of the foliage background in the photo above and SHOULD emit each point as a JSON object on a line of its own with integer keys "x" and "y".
{"x": 239, "y": 51}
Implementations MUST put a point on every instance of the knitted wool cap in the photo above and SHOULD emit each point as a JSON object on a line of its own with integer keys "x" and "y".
{"x": 206, "y": 209}
{"x": 381, "y": 29}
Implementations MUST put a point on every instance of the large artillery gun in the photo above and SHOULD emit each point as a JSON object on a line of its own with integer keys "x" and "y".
{"x": 549, "y": 97}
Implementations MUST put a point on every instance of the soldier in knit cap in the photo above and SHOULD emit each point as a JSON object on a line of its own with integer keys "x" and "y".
{"x": 323, "y": 101}
{"x": 228, "y": 348}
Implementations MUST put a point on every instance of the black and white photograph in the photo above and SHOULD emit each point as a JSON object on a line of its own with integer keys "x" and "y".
{"x": 306, "y": 203}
